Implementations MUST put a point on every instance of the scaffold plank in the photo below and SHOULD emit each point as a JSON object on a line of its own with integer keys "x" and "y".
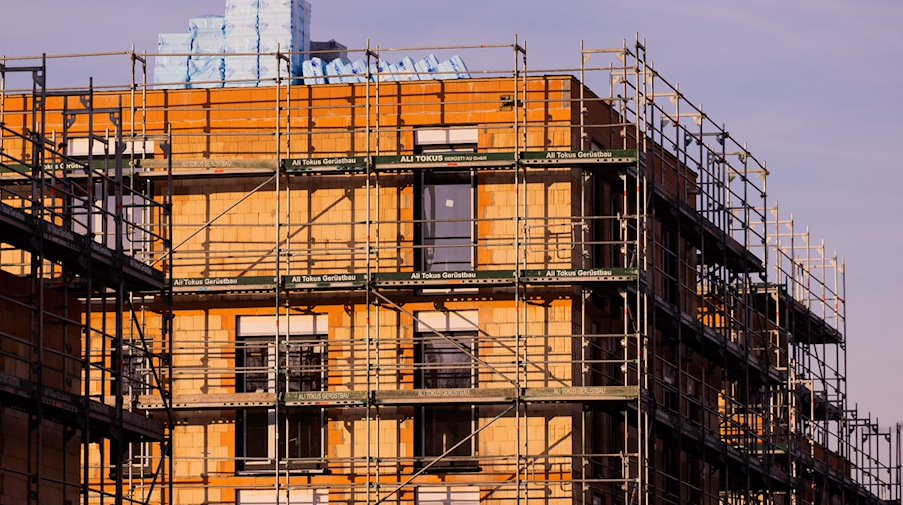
{"x": 443, "y": 279}
{"x": 337, "y": 281}
{"x": 448, "y": 160}
{"x": 63, "y": 246}
{"x": 338, "y": 164}
{"x": 570, "y": 276}
{"x": 582, "y": 394}
{"x": 68, "y": 409}
{"x": 609, "y": 157}
{"x": 324, "y": 398}
{"x": 468, "y": 396}
{"x": 220, "y": 284}
{"x": 200, "y": 168}
{"x": 210, "y": 401}
{"x": 446, "y": 396}
{"x": 324, "y": 281}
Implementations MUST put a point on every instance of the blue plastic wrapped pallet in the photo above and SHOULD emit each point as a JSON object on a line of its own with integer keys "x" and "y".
{"x": 388, "y": 71}
{"x": 406, "y": 70}
{"x": 358, "y": 71}
{"x": 206, "y": 66}
{"x": 241, "y": 38}
{"x": 205, "y": 24}
{"x": 452, "y": 68}
{"x": 314, "y": 71}
{"x": 172, "y": 71}
{"x": 337, "y": 71}
{"x": 239, "y": 48}
{"x": 427, "y": 68}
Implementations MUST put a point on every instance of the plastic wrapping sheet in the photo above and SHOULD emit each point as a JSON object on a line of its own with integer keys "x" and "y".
{"x": 338, "y": 71}
{"x": 209, "y": 44}
{"x": 241, "y": 7}
{"x": 172, "y": 69}
{"x": 406, "y": 70}
{"x": 240, "y": 26}
{"x": 206, "y": 24}
{"x": 314, "y": 71}
{"x": 272, "y": 43}
{"x": 241, "y": 71}
{"x": 388, "y": 71}
{"x": 285, "y": 25}
{"x": 270, "y": 67}
{"x": 174, "y": 43}
{"x": 458, "y": 64}
{"x": 241, "y": 19}
{"x": 358, "y": 71}
{"x": 205, "y": 72}
{"x": 169, "y": 78}
{"x": 205, "y": 69}
{"x": 446, "y": 71}
{"x": 241, "y": 37}
{"x": 427, "y": 68}
{"x": 241, "y": 40}
{"x": 244, "y": 67}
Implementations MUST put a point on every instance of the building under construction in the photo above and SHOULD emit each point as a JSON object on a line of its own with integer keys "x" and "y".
{"x": 527, "y": 286}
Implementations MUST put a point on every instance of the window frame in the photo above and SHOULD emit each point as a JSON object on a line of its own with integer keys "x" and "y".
{"x": 309, "y": 337}
{"x": 421, "y": 262}
{"x": 443, "y": 141}
{"x": 422, "y": 412}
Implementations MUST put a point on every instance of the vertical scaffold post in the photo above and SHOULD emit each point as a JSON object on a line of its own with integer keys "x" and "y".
{"x": 517, "y": 267}
{"x": 279, "y": 338}
{"x": 372, "y": 485}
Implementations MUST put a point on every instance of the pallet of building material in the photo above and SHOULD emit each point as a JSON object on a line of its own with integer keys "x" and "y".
{"x": 206, "y": 65}
{"x": 242, "y": 43}
{"x": 172, "y": 71}
{"x": 283, "y": 26}
{"x": 427, "y": 68}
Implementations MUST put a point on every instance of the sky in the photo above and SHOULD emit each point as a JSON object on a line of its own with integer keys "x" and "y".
{"x": 812, "y": 86}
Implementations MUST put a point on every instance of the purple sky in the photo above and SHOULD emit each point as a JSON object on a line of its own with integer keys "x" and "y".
{"x": 813, "y": 86}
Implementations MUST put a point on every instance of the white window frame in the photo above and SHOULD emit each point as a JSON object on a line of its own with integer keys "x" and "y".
{"x": 447, "y": 495}
{"x": 283, "y": 497}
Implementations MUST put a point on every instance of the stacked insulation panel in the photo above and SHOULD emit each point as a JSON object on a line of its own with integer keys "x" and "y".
{"x": 283, "y": 25}
{"x": 242, "y": 38}
{"x": 316, "y": 71}
{"x": 206, "y": 65}
{"x": 240, "y": 48}
{"x": 172, "y": 71}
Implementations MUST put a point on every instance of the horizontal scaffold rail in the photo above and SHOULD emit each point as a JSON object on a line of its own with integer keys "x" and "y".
{"x": 343, "y": 281}
{"x": 68, "y": 409}
{"x": 466, "y": 396}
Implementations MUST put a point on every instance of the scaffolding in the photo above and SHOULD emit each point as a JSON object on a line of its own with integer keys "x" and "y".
{"x": 79, "y": 234}
{"x": 633, "y": 322}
